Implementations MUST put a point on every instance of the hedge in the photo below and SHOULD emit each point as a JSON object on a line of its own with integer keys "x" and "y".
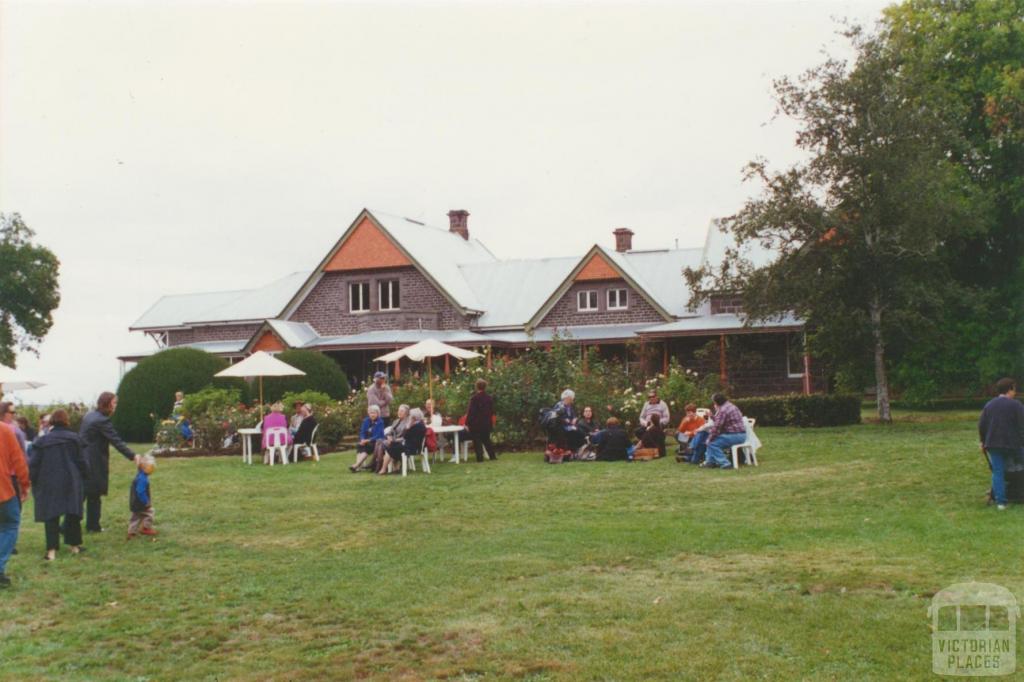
{"x": 146, "y": 393}
{"x": 323, "y": 375}
{"x": 817, "y": 409}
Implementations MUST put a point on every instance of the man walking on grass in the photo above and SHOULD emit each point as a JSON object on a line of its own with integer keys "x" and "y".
{"x": 1001, "y": 429}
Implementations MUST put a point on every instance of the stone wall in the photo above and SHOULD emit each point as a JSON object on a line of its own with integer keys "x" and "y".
{"x": 566, "y": 314}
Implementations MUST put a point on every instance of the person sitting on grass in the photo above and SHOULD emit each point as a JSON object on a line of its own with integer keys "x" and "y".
{"x": 392, "y": 434}
{"x": 687, "y": 430}
{"x": 140, "y": 500}
{"x": 729, "y": 429}
{"x": 654, "y": 405}
{"x": 371, "y": 431}
{"x": 565, "y": 434}
{"x": 587, "y": 424}
{"x": 653, "y": 436}
{"x": 410, "y": 445}
{"x": 612, "y": 442}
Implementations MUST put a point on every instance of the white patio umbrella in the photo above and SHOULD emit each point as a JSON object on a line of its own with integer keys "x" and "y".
{"x": 261, "y": 364}
{"x": 10, "y": 381}
{"x": 428, "y": 348}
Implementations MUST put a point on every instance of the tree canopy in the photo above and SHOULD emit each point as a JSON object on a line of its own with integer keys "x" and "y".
{"x": 29, "y": 289}
{"x": 860, "y": 227}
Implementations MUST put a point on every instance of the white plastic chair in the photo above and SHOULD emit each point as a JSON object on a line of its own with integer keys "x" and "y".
{"x": 310, "y": 449}
{"x": 409, "y": 461}
{"x": 751, "y": 445}
{"x": 277, "y": 443}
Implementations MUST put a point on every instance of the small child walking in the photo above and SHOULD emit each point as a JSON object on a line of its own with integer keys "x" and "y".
{"x": 140, "y": 500}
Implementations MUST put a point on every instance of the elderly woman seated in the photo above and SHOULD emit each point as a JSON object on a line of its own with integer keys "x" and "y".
{"x": 371, "y": 431}
{"x": 411, "y": 444}
{"x": 565, "y": 434}
{"x": 304, "y": 434}
{"x": 275, "y": 420}
{"x": 392, "y": 434}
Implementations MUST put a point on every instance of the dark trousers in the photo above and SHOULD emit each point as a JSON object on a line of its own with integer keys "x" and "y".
{"x": 481, "y": 440}
{"x": 72, "y": 531}
{"x": 93, "y": 504}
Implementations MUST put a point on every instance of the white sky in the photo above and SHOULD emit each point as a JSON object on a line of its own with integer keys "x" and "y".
{"x": 175, "y": 147}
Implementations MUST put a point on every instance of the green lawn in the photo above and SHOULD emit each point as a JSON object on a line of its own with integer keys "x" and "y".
{"x": 819, "y": 564}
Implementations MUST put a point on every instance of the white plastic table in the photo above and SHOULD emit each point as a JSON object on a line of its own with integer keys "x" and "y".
{"x": 453, "y": 429}
{"x": 246, "y": 435}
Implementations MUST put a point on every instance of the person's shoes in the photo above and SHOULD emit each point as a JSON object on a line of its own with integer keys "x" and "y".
{"x": 49, "y": 556}
{"x": 95, "y": 530}
{"x": 353, "y": 469}
{"x": 78, "y": 550}
{"x": 148, "y": 531}
{"x": 130, "y": 536}
{"x": 727, "y": 465}
{"x": 4, "y": 581}
{"x": 1001, "y": 507}
{"x": 708, "y": 465}
{"x": 14, "y": 551}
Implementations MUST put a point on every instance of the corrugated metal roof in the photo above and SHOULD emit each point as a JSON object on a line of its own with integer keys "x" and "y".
{"x": 440, "y": 252}
{"x": 512, "y": 291}
{"x": 660, "y": 273}
{"x": 609, "y": 332}
{"x": 295, "y": 334}
{"x": 216, "y": 347}
{"x": 398, "y": 337}
{"x": 721, "y": 322}
{"x": 222, "y": 306}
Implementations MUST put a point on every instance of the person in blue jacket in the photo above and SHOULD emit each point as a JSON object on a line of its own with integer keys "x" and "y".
{"x": 140, "y": 499}
{"x": 371, "y": 431}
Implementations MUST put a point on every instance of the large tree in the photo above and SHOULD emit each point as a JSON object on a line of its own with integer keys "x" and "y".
{"x": 972, "y": 53}
{"x": 29, "y": 291}
{"x": 859, "y": 226}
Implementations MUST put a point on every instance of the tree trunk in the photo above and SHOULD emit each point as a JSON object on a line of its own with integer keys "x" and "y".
{"x": 881, "y": 380}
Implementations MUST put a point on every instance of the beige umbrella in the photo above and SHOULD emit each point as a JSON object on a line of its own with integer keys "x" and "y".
{"x": 10, "y": 381}
{"x": 428, "y": 348}
{"x": 261, "y": 364}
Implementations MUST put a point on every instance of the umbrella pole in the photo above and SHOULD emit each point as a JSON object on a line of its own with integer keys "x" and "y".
{"x": 430, "y": 377}
{"x": 261, "y": 398}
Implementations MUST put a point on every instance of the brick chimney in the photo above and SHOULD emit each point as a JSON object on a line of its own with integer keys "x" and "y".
{"x": 459, "y": 222}
{"x": 623, "y": 239}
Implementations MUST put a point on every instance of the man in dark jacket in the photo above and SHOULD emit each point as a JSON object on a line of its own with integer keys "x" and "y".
{"x": 98, "y": 434}
{"x": 1001, "y": 430}
{"x": 612, "y": 443}
{"x": 58, "y": 470}
{"x": 480, "y": 421}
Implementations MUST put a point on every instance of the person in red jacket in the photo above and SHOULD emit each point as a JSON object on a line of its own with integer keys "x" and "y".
{"x": 480, "y": 421}
{"x": 13, "y": 469}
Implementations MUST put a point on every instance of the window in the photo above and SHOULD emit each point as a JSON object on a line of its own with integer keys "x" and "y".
{"x": 586, "y": 301}
{"x": 795, "y": 355}
{"x": 359, "y": 297}
{"x": 617, "y": 299}
{"x": 387, "y": 294}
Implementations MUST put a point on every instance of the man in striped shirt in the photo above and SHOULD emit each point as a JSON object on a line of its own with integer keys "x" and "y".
{"x": 729, "y": 429}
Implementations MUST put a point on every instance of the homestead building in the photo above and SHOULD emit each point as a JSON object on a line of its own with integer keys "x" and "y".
{"x": 391, "y": 281}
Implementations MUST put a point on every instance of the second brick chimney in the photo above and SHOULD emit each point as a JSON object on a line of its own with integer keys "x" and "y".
{"x": 458, "y": 222}
{"x": 623, "y": 239}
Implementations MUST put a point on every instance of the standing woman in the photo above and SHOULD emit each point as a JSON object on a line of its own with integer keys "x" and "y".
{"x": 480, "y": 421}
{"x": 58, "y": 471}
{"x": 98, "y": 434}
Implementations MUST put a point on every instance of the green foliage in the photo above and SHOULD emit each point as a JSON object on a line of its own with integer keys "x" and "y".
{"x": 315, "y": 398}
{"x": 75, "y": 413}
{"x": 29, "y": 289}
{"x": 861, "y": 227}
{"x": 802, "y": 410}
{"x": 213, "y": 413}
{"x": 322, "y": 374}
{"x": 146, "y": 393}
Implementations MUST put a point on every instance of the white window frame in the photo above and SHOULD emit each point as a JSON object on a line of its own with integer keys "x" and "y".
{"x": 391, "y": 291}
{"x": 790, "y": 338}
{"x": 622, "y": 302}
{"x": 587, "y": 293}
{"x": 351, "y": 299}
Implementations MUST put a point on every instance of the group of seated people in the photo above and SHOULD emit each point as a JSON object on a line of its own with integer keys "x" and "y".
{"x": 702, "y": 441}
{"x": 380, "y": 447}
{"x": 300, "y": 427}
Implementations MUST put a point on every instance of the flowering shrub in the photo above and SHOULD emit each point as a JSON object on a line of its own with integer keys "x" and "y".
{"x": 215, "y": 412}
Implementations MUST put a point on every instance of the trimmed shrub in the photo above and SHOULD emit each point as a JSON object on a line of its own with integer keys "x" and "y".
{"x": 146, "y": 393}
{"x": 817, "y": 409}
{"x": 322, "y": 375}
{"x": 211, "y": 412}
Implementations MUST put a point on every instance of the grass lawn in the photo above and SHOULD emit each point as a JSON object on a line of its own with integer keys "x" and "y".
{"x": 819, "y": 564}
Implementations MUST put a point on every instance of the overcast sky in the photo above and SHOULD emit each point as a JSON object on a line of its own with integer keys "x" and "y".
{"x": 165, "y": 148}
